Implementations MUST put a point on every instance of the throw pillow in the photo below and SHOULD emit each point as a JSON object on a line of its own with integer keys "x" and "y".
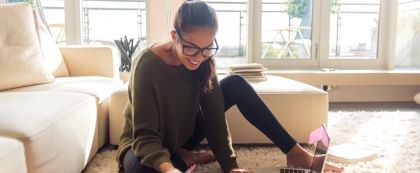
{"x": 21, "y": 61}
{"x": 52, "y": 55}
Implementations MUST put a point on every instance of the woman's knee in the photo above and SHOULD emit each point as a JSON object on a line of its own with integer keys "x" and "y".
{"x": 132, "y": 164}
{"x": 232, "y": 80}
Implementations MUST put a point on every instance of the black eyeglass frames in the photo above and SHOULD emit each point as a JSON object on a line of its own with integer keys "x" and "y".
{"x": 194, "y": 50}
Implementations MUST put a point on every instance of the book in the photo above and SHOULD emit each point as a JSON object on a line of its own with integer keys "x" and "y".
{"x": 246, "y": 66}
{"x": 350, "y": 153}
{"x": 251, "y": 72}
{"x": 247, "y": 70}
{"x": 256, "y": 78}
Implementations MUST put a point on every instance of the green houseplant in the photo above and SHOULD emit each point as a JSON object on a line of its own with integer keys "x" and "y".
{"x": 335, "y": 6}
{"x": 296, "y": 8}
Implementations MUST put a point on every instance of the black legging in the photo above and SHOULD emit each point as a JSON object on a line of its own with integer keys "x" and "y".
{"x": 237, "y": 92}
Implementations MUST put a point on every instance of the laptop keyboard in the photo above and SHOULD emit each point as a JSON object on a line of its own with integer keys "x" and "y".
{"x": 293, "y": 170}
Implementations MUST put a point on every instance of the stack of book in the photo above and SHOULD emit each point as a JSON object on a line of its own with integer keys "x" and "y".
{"x": 251, "y": 72}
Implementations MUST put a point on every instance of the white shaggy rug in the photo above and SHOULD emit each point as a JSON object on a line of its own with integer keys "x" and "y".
{"x": 393, "y": 131}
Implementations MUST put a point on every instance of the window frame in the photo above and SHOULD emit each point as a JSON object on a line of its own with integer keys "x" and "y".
{"x": 320, "y": 37}
{"x": 73, "y": 12}
{"x": 320, "y": 40}
{"x": 279, "y": 63}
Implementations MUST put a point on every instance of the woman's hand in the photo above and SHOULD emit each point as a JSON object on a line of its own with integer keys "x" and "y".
{"x": 167, "y": 167}
{"x": 174, "y": 170}
{"x": 238, "y": 170}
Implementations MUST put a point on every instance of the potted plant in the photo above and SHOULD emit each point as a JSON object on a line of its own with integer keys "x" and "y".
{"x": 335, "y": 6}
{"x": 295, "y": 10}
{"x": 127, "y": 49}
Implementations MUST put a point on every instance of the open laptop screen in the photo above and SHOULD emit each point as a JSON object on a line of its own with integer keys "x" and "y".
{"x": 321, "y": 150}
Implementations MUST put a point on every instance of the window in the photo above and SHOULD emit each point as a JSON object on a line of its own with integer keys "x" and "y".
{"x": 354, "y": 29}
{"x": 286, "y": 34}
{"x": 107, "y": 20}
{"x": 102, "y": 21}
{"x": 407, "y": 51}
{"x": 280, "y": 34}
{"x": 232, "y": 31}
{"x": 54, "y": 15}
{"x": 312, "y": 34}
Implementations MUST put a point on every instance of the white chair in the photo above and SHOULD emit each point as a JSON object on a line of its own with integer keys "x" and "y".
{"x": 289, "y": 36}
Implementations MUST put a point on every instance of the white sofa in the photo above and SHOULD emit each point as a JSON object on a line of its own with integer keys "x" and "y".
{"x": 12, "y": 155}
{"x": 64, "y": 123}
{"x": 53, "y": 102}
{"x": 299, "y": 107}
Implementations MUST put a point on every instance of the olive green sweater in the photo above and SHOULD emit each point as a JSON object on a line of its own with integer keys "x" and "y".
{"x": 161, "y": 114}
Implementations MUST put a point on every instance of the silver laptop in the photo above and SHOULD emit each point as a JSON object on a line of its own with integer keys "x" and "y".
{"x": 321, "y": 149}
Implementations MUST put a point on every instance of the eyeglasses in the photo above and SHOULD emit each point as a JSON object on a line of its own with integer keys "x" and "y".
{"x": 195, "y": 50}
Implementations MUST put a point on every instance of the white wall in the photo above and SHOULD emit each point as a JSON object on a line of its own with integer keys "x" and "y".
{"x": 385, "y": 93}
{"x": 374, "y": 86}
{"x": 2, "y": 1}
{"x": 157, "y": 16}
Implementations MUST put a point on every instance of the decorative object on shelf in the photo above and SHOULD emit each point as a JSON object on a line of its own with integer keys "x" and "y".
{"x": 127, "y": 49}
{"x": 251, "y": 72}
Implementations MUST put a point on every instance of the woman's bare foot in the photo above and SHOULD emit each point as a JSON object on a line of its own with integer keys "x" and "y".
{"x": 299, "y": 157}
{"x": 200, "y": 157}
{"x": 238, "y": 170}
{"x": 333, "y": 167}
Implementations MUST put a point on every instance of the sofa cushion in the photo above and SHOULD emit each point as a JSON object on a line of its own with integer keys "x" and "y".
{"x": 50, "y": 50}
{"x": 12, "y": 155}
{"x": 99, "y": 87}
{"x": 21, "y": 61}
{"x": 57, "y": 128}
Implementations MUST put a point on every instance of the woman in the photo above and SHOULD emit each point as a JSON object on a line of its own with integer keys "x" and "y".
{"x": 175, "y": 101}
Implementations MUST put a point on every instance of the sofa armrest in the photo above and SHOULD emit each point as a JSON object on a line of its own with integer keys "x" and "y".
{"x": 91, "y": 60}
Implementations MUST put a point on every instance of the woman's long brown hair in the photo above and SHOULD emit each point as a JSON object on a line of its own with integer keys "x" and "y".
{"x": 196, "y": 13}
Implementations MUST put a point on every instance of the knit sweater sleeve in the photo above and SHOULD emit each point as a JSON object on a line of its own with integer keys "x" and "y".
{"x": 147, "y": 140}
{"x": 216, "y": 128}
